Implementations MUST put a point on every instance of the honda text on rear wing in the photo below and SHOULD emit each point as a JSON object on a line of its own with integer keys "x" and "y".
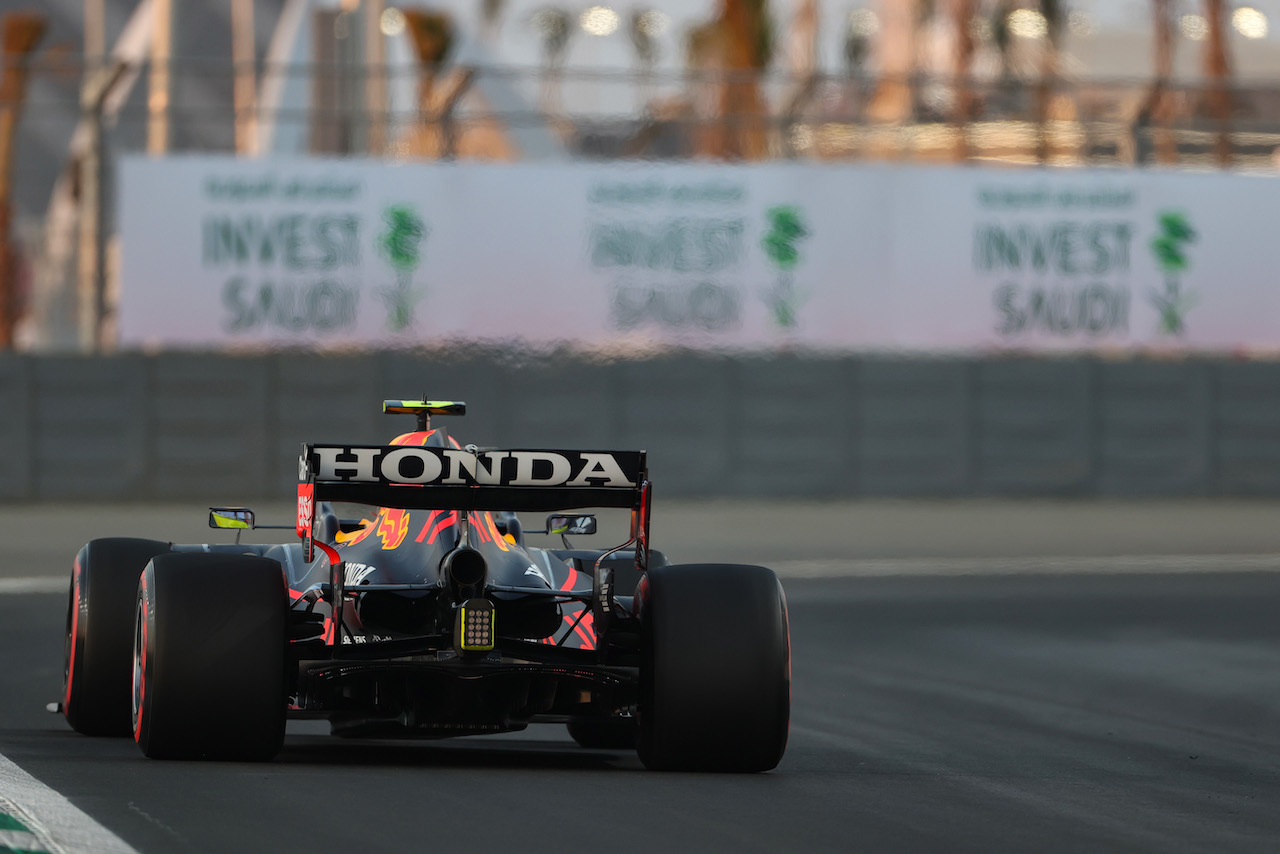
{"x": 422, "y": 478}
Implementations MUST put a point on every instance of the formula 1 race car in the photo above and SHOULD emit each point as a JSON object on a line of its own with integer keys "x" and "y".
{"x": 432, "y": 617}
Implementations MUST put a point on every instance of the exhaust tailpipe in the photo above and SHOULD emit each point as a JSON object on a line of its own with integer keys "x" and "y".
{"x": 464, "y": 567}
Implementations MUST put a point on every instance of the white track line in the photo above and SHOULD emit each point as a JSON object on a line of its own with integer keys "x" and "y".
{"x": 43, "y": 584}
{"x": 1111, "y": 565}
{"x": 877, "y": 567}
{"x": 51, "y": 822}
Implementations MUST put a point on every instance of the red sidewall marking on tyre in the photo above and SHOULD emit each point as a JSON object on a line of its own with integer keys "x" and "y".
{"x": 142, "y": 667}
{"x": 75, "y": 631}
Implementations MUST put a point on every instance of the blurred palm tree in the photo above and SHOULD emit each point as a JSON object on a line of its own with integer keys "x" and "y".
{"x": 896, "y": 60}
{"x": 20, "y": 33}
{"x": 856, "y": 48}
{"x": 432, "y": 36}
{"x": 922, "y": 12}
{"x": 802, "y": 71}
{"x": 1002, "y": 38}
{"x": 642, "y": 29}
{"x": 554, "y": 26}
{"x": 1218, "y": 72}
{"x": 1050, "y": 61}
{"x": 1157, "y": 108}
{"x": 730, "y": 51}
{"x": 1055, "y": 17}
{"x": 748, "y": 50}
{"x": 963, "y": 13}
{"x": 491, "y": 17}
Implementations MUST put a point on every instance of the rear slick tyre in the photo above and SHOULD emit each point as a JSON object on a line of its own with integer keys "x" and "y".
{"x": 97, "y": 659}
{"x": 208, "y": 659}
{"x": 715, "y": 675}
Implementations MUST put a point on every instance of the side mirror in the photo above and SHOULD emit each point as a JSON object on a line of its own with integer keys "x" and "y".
{"x": 585, "y": 524}
{"x": 235, "y": 518}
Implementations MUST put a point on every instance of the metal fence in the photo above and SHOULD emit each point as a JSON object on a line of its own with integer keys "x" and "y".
{"x": 228, "y": 428}
{"x": 667, "y": 114}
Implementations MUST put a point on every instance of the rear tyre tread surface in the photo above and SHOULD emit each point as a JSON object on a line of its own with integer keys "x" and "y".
{"x": 98, "y": 650}
{"x": 715, "y": 676}
{"x": 209, "y": 652}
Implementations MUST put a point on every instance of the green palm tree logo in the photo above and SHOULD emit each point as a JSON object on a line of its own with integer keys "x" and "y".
{"x": 398, "y": 245}
{"x": 779, "y": 243}
{"x": 1169, "y": 247}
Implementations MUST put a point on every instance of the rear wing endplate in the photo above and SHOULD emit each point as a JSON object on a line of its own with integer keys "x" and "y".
{"x": 414, "y": 477}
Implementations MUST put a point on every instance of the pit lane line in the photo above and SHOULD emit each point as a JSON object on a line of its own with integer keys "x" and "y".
{"x": 890, "y": 567}
{"x": 35, "y": 818}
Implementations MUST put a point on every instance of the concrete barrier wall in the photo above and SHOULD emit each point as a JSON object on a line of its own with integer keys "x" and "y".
{"x": 226, "y": 428}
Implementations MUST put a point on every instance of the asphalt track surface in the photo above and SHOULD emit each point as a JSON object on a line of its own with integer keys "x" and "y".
{"x": 1123, "y": 694}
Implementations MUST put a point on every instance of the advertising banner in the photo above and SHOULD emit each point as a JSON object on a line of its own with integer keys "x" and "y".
{"x": 219, "y": 252}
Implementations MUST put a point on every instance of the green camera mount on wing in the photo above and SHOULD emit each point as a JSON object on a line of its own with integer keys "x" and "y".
{"x": 424, "y": 409}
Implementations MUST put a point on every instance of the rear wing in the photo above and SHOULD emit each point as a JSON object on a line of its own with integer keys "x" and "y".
{"x": 421, "y": 478}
